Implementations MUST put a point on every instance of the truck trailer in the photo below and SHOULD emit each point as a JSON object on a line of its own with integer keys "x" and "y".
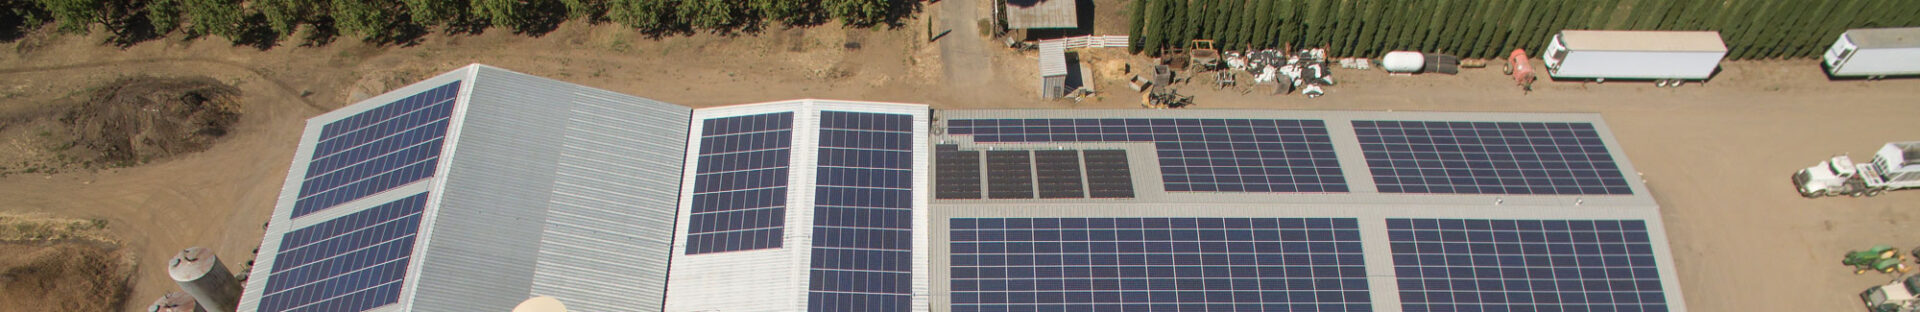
{"x": 1874, "y": 53}
{"x": 1896, "y": 166}
{"x": 1669, "y": 58}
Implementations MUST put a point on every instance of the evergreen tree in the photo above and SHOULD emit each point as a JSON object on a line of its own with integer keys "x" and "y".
{"x": 1137, "y": 21}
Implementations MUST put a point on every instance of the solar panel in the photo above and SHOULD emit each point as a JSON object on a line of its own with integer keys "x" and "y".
{"x": 1489, "y": 158}
{"x": 377, "y": 150}
{"x": 351, "y": 263}
{"x": 1009, "y": 174}
{"x": 1525, "y": 265}
{"x": 1201, "y": 155}
{"x": 1157, "y": 264}
{"x": 1108, "y": 175}
{"x": 1058, "y": 172}
{"x": 740, "y": 183}
{"x": 956, "y": 173}
{"x": 863, "y": 214}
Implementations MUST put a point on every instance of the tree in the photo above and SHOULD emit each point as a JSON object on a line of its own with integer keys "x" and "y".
{"x": 647, "y": 15}
{"x": 585, "y": 9}
{"x": 514, "y": 14}
{"x": 1155, "y": 30}
{"x": 710, "y": 14}
{"x": 163, "y": 15}
{"x": 371, "y": 19}
{"x": 427, "y": 12}
{"x": 791, "y": 12}
{"x": 212, "y": 17}
{"x": 1136, "y": 22}
{"x": 859, "y": 12}
{"x": 284, "y": 15}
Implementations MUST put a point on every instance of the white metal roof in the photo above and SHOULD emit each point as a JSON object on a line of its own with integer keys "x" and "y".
{"x": 1053, "y": 58}
{"x": 1637, "y": 40}
{"x": 1908, "y": 37}
{"x": 1042, "y": 14}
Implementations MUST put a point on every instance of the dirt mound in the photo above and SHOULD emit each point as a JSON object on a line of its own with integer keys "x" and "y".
{"x": 58, "y": 264}
{"x": 139, "y": 119}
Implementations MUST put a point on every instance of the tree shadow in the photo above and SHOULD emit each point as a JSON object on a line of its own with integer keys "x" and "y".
{"x": 255, "y": 32}
{"x": 547, "y": 16}
{"x": 19, "y": 17}
{"x": 132, "y": 30}
{"x": 320, "y": 32}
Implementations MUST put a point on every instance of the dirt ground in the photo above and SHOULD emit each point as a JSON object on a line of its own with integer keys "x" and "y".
{"x": 1716, "y": 156}
{"x": 60, "y": 264}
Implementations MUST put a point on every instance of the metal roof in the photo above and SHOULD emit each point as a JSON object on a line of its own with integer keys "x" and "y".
{"x": 1053, "y": 58}
{"x": 1635, "y": 40}
{"x": 1868, "y": 38}
{"x": 1042, "y": 14}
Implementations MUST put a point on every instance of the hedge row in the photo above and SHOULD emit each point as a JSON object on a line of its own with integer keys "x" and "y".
{"x": 1752, "y": 29}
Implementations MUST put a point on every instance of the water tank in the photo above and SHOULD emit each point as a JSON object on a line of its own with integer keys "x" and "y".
{"x": 175, "y": 302}
{"x": 540, "y": 304}
{"x": 202, "y": 275}
{"x": 1403, "y": 62}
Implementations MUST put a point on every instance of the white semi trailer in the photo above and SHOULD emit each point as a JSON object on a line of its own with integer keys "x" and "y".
{"x": 1669, "y": 58}
{"x": 1874, "y": 53}
{"x": 1896, "y": 166}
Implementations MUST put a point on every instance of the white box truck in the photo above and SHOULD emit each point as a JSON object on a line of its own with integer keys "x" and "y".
{"x": 1666, "y": 57}
{"x": 1896, "y": 166}
{"x": 1875, "y": 53}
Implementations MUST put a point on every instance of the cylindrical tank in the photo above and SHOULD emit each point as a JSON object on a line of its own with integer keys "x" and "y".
{"x": 1403, "y": 62}
{"x": 202, "y": 275}
{"x": 175, "y": 302}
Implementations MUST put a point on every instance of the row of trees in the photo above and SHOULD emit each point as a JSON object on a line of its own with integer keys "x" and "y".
{"x": 387, "y": 19}
{"x": 1752, "y": 29}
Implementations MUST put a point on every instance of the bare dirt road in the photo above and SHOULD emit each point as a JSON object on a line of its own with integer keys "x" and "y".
{"x": 1716, "y": 156}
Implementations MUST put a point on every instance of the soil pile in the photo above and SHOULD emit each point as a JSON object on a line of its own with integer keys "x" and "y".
{"x": 139, "y": 119}
{"x": 58, "y": 264}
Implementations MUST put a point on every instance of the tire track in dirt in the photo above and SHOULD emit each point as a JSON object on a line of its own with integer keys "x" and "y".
{"x": 282, "y": 85}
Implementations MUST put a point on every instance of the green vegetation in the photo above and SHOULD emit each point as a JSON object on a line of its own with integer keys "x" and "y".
{"x": 263, "y": 22}
{"x": 1752, "y": 29}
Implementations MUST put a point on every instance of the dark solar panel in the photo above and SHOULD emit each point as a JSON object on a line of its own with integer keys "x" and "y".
{"x": 1009, "y": 174}
{"x": 1525, "y": 265}
{"x": 740, "y": 186}
{"x": 863, "y": 214}
{"x": 1204, "y": 155}
{"x": 1489, "y": 158}
{"x": 956, "y": 173}
{"x": 1108, "y": 175}
{"x": 1059, "y": 174}
{"x": 377, "y": 150}
{"x": 351, "y": 263}
{"x": 1157, "y": 264}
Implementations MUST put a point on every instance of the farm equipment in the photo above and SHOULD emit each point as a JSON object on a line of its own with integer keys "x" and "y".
{"x": 1520, "y": 68}
{"x": 1881, "y": 258}
{"x": 1897, "y": 296}
{"x": 1896, "y": 166}
{"x": 1164, "y": 100}
{"x": 1223, "y": 79}
{"x": 1203, "y": 54}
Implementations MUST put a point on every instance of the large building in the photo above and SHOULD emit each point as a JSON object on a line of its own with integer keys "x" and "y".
{"x": 479, "y": 188}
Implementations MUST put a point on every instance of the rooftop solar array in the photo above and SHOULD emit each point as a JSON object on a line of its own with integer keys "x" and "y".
{"x": 1157, "y": 264}
{"x": 1525, "y": 265}
{"x": 1202, "y": 155}
{"x": 1009, "y": 174}
{"x": 1058, "y": 174}
{"x": 740, "y": 183}
{"x": 351, "y": 263}
{"x": 863, "y": 214}
{"x": 1108, "y": 175}
{"x": 956, "y": 173}
{"x": 1563, "y": 158}
{"x": 377, "y": 150}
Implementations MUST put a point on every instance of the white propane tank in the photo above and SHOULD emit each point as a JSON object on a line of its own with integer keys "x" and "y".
{"x": 1403, "y": 62}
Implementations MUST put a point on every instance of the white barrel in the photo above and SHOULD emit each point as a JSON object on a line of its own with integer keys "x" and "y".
{"x": 202, "y": 275}
{"x": 1403, "y": 62}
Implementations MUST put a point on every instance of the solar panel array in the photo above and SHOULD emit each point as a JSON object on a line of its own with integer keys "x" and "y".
{"x": 1525, "y": 265}
{"x": 740, "y": 183}
{"x": 1009, "y": 174}
{"x": 1157, "y": 264}
{"x": 863, "y": 214}
{"x": 351, "y": 263}
{"x": 956, "y": 173}
{"x": 377, "y": 150}
{"x": 1202, "y": 155}
{"x": 1108, "y": 175}
{"x": 1058, "y": 172}
{"x": 1564, "y": 158}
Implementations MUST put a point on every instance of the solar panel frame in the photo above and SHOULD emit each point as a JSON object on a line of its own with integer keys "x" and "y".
{"x": 1108, "y": 174}
{"x": 956, "y": 173}
{"x": 1536, "y": 265}
{"x": 1058, "y": 174}
{"x": 1195, "y": 154}
{"x": 862, "y": 256}
{"x": 1009, "y": 174}
{"x": 354, "y": 262}
{"x": 377, "y": 150}
{"x": 1540, "y": 158}
{"x": 740, "y": 184}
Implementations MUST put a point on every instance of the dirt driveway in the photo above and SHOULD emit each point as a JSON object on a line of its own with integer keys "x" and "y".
{"x": 1716, "y": 156}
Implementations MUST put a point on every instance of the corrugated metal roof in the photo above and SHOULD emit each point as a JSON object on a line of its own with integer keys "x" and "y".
{"x": 1634, "y": 40}
{"x": 1868, "y": 38}
{"x": 1042, "y": 14}
{"x": 1053, "y": 58}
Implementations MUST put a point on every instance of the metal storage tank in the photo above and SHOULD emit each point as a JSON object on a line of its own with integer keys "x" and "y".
{"x": 1403, "y": 62}
{"x": 175, "y": 302}
{"x": 202, "y": 275}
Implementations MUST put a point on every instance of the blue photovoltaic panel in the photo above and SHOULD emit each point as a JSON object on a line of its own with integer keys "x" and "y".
{"x": 1525, "y": 265}
{"x": 377, "y": 150}
{"x": 1489, "y": 158}
{"x": 740, "y": 186}
{"x": 1202, "y": 155}
{"x": 863, "y": 214}
{"x": 351, "y": 263}
{"x": 1158, "y": 264}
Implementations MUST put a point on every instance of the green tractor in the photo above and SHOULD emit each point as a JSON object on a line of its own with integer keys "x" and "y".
{"x": 1882, "y": 258}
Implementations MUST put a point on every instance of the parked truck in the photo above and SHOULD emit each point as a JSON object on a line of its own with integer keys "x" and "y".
{"x": 1669, "y": 58}
{"x": 1875, "y": 53}
{"x": 1897, "y": 296}
{"x": 1896, "y": 166}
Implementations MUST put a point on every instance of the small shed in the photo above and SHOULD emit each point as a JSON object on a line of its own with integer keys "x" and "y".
{"x": 1042, "y": 14}
{"x": 1053, "y": 69}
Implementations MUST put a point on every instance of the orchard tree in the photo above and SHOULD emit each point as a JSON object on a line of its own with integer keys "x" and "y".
{"x": 647, "y": 15}
{"x": 859, "y": 12}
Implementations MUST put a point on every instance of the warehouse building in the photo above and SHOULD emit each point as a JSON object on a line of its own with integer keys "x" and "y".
{"x": 610, "y": 202}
